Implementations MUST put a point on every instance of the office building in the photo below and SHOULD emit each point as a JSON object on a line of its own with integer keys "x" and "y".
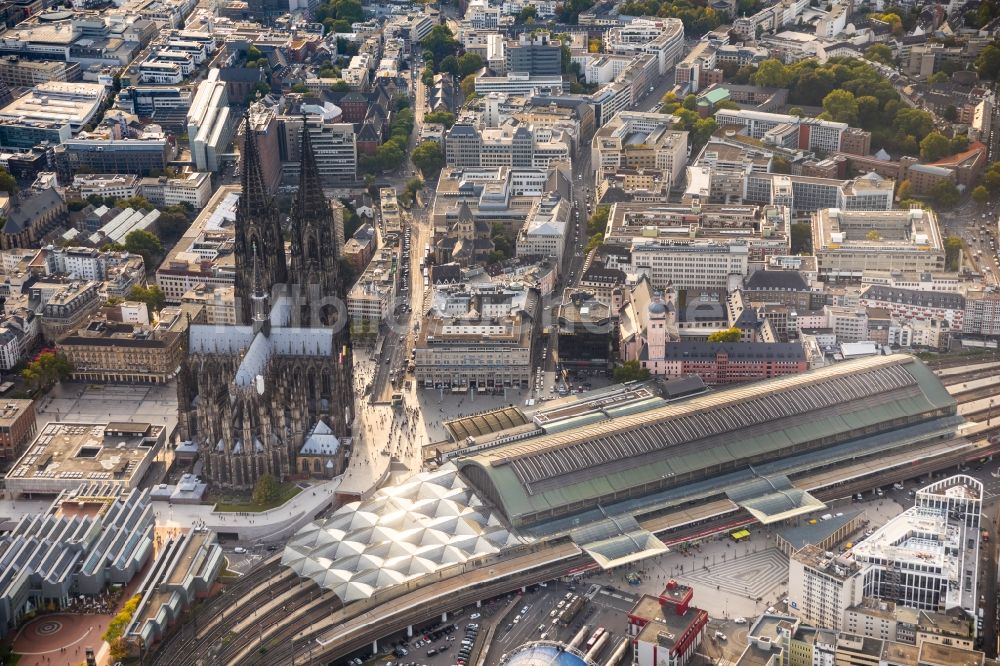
{"x": 928, "y": 556}
{"x": 765, "y": 230}
{"x": 535, "y": 54}
{"x": 66, "y": 454}
{"x": 667, "y": 630}
{"x": 108, "y": 155}
{"x": 191, "y": 188}
{"x": 512, "y": 145}
{"x": 784, "y": 130}
{"x": 333, "y": 141}
{"x": 636, "y": 140}
{"x": 519, "y": 83}
{"x": 53, "y": 111}
{"x": 847, "y": 243}
{"x": 688, "y": 265}
{"x": 210, "y": 123}
{"x": 489, "y": 351}
{"x": 15, "y": 71}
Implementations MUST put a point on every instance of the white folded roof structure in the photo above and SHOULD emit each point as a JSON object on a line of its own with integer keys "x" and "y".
{"x": 400, "y": 533}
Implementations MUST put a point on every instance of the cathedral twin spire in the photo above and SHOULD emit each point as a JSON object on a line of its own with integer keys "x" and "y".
{"x": 313, "y": 255}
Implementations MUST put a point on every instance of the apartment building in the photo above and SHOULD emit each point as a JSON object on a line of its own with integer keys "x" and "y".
{"x": 66, "y": 306}
{"x": 906, "y": 305}
{"x": 982, "y": 312}
{"x": 373, "y": 296}
{"x": 821, "y": 586}
{"x": 17, "y": 427}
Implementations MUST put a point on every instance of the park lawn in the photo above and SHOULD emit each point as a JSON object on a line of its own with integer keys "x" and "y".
{"x": 286, "y": 491}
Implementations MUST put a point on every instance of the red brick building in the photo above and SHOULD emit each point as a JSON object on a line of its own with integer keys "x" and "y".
{"x": 732, "y": 362}
{"x": 666, "y": 629}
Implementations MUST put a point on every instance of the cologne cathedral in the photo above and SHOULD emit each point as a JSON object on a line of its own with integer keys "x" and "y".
{"x": 272, "y": 394}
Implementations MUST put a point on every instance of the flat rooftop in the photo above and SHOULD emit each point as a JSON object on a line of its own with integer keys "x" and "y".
{"x": 88, "y": 452}
{"x": 933, "y": 654}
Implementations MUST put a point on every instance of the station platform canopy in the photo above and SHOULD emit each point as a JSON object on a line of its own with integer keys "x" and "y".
{"x": 771, "y": 499}
{"x": 616, "y": 541}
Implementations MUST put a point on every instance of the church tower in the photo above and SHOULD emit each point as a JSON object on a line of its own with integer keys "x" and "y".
{"x": 258, "y": 225}
{"x": 314, "y": 252}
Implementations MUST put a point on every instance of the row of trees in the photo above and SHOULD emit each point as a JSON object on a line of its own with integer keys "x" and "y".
{"x": 391, "y": 154}
{"x": 697, "y": 18}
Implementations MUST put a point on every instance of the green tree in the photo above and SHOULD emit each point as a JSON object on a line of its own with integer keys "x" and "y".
{"x": 446, "y": 118}
{"x": 469, "y": 63}
{"x": 944, "y": 194}
{"x": 172, "y": 224}
{"x": 528, "y": 14}
{"x": 938, "y": 77}
{"x": 598, "y": 221}
{"x": 953, "y": 247}
{"x": 7, "y": 182}
{"x": 593, "y": 242}
{"x": 728, "y": 335}
{"x": 772, "y": 74}
{"x": 780, "y": 165}
{"x": 265, "y": 491}
{"x": 801, "y": 238}
{"x": 449, "y": 65}
{"x": 428, "y": 157}
{"x": 842, "y": 107}
{"x": 300, "y": 88}
{"x": 879, "y": 53}
{"x": 441, "y": 42}
{"x": 46, "y": 369}
{"x": 934, "y": 146}
{"x": 690, "y": 102}
{"x": 151, "y": 296}
{"x": 904, "y": 190}
{"x": 145, "y": 244}
{"x": 796, "y": 111}
{"x": 630, "y": 371}
{"x": 468, "y": 86}
{"x": 915, "y": 122}
{"x": 988, "y": 62}
{"x": 340, "y": 86}
{"x": 980, "y": 194}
